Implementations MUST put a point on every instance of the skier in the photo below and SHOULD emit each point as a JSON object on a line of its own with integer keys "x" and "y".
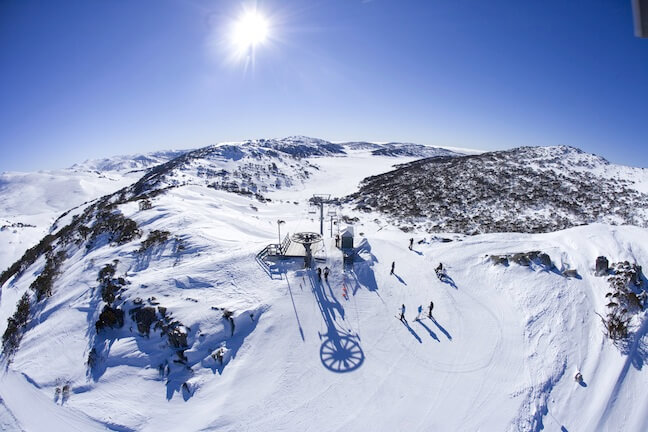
{"x": 392, "y": 269}
{"x": 319, "y": 273}
{"x": 411, "y": 243}
{"x": 420, "y": 311}
{"x": 326, "y": 272}
{"x": 402, "y": 313}
{"x": 337, "y": 240}
{"x": 430, "y": 309}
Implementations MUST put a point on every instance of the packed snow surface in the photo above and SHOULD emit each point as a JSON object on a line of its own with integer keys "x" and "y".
{"x": 500, "y": 351}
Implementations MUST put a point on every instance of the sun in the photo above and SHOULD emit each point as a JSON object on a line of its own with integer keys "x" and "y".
{"x": 249, "y": 30}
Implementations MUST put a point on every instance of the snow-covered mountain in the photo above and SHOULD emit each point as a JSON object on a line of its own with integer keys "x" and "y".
{"x": 527, "y": 189}
{"x": 136, "y": 162}
{"x": 31, "y": 202}
{"x": 154, "y": 307}
{"x": 400, "y": 149}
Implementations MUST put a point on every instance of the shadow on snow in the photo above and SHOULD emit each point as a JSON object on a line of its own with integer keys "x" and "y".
{"x": 340, "y": 352}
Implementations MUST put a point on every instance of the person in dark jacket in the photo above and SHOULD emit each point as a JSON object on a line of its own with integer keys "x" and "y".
{"x": 430, "y": 309}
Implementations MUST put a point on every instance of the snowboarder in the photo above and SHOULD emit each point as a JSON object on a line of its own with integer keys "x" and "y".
{"x": 326, "y": 272}
{"x": 430, "y": 309}
{"x": 578, "y": 377}
{"x": 319, "y": 273}
{"x": 439, "y": 271}
{"x": 411, "y": 243}
{"x": 420, "y": 311}
{"x": 402, "y": 313}
{"x": 392, "y": 268}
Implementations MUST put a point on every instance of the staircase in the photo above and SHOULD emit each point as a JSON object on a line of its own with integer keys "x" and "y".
{"x": 274, "y": 250}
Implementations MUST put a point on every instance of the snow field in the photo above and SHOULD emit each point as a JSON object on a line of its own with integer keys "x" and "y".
{"x": 500, "y": 353}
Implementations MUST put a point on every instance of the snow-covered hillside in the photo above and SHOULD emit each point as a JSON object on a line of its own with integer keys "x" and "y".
{"x": 151, "y": 309}
{"x": 31, "y": 202}
{"x": 527, "y": 189}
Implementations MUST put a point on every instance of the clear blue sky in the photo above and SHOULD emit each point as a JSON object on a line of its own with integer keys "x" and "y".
{"x": 93, "y": 78}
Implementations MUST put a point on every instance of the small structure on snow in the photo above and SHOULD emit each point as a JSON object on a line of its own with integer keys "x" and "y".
{"x": 347, "y": 237}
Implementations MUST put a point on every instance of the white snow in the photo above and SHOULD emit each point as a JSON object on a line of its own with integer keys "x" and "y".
{"x": 500, "y": 353}
{"x": 38, "y": 198}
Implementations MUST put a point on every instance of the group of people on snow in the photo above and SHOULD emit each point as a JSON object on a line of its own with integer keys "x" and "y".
{"x": 440, "y": 272}
{"x": 419, "y": 310}
{"x": 326, "y": 273}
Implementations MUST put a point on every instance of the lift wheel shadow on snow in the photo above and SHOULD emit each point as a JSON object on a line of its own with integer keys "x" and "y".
{"x": 340, "y": 352}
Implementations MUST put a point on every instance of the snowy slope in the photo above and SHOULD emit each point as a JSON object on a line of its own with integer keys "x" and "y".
{"x": 31, "y": 202}
{"x": 527, "y": 189}
{"x": 500, "y": 353}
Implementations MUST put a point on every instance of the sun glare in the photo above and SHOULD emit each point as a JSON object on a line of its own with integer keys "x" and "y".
{"x": 250, "y": 30}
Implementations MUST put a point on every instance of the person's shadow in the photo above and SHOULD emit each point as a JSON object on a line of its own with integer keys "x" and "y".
{"x": 411, "y": 330}
{"x": 448, "y": 280}
{"x": 429, "y": 330}
{"x": 440, "y": 327}
{"x": 400, "y": 279}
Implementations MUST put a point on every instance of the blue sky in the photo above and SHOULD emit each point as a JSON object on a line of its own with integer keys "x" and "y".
{"x": 93, "y": 78}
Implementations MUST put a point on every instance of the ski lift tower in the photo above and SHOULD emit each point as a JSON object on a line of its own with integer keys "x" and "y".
{"x": 307, "y": 239}
{"x": 320, "y": 200}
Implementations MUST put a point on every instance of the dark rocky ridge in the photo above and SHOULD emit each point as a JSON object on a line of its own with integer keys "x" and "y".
{"x": 528, "y": 189}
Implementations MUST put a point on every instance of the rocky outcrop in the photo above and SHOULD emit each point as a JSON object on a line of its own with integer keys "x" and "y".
{"x": 524, "y": 259}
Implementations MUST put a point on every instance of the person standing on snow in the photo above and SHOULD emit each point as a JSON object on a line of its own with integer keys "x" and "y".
{"x": 402, "y": 313}
{"x": 326, "y": 272}
{"x": 319, "y": 273}
{"x": 392, "y": 269}
{"x": 411, "y": 243}
{"x": 420, "y": 311}
{"x": 430, "y": 309}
